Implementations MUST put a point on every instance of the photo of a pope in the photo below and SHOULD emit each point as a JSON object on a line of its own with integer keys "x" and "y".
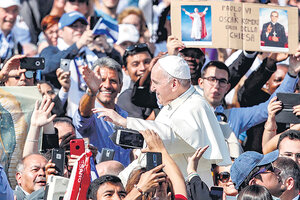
{"x": 198, "y": 31}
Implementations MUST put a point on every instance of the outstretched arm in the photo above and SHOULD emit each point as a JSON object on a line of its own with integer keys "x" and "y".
{"x": 155, "y": 144}
{"x": 93, "y": 81}
{"x": 41, "y": 116}
{"x": 270, "y": 125}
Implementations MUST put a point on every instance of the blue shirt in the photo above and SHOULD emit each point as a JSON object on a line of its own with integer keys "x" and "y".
{"x": 5, "y": 190}
{"x": 6, "y": 46}
{"x": 241, "y": 119}
{"x": 98, "y": 132}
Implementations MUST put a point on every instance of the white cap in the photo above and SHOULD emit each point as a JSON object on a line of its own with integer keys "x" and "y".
{"x": 175, "y": 66}
{"x": 128, "y": 32}
{"x": 8, "y": 3}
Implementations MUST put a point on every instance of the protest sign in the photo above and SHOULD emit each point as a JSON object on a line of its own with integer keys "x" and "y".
{"x": 224, "y": 24}
{"x": 16, "y": 106}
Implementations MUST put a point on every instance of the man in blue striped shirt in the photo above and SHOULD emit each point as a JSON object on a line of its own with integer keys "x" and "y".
{"x": 9, "y": 10}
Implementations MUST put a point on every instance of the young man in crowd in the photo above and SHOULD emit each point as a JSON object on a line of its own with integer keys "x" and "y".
{"x": 252, "y": 168}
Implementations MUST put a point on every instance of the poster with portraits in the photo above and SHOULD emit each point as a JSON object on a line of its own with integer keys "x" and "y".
{"x": 227, "y": 24}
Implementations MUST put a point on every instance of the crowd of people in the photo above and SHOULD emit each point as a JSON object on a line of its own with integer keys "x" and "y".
{"x": 210, "y": 113}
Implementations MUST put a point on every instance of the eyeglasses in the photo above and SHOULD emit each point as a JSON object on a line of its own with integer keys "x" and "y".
{"x": 291, "y": 155}
{"x": 268, "y": 169}
{"x": 79, "y": 1}
{"x": 223, "y": 177}
{"x": 212, "y": 80}
{"x": 28, "y": 75}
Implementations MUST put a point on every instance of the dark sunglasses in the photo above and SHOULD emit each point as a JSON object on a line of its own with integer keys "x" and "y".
{"x": 28, "y": 75}
{"x": 79, "y": 1}
{"x": 136, "y": 47}
{"x": 266, "y": 169}
{"x": 223, "y": 177}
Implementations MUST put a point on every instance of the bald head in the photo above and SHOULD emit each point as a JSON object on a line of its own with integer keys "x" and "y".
{"x": 111, "y": 167}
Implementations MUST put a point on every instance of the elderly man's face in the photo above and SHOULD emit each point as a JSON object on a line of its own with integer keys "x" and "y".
{"x": 274, "y": 17}
{"x": 161, "y": 85}
{"x": 21, "y": 80}
{"x": 111, "y": 191}
{"x": 33, "y": 176}
{"x": 7, "y": 18}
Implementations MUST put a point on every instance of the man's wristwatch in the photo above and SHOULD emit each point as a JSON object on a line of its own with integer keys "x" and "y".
{"x": 89, "y": 93}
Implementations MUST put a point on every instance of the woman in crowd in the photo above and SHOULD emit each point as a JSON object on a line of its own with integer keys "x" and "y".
{"x": 49, "y": 26}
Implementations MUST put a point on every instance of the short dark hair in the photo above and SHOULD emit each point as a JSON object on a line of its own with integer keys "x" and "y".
{"x": 291, "y": 134}
{"x": 64, "y": 119}
{"x": 46, "y": 82}
{"x": 94, "y": 186}
{"x": 135, "y": 49}
{"x": 255, "y": 192}
{"x": 289, "y": 168}
{"x": 217, "y": 64}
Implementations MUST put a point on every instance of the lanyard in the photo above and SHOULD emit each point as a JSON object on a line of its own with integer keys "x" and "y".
{"x": 82, "y": 61}
{"x": 5, "y": 46}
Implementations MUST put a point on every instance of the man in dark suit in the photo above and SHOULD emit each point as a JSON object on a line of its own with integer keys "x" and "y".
{"x": 273, "y": 33}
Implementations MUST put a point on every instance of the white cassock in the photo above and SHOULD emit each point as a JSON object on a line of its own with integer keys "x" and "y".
{"x": 184, "y": 125}
{"x": 196, "y": 26}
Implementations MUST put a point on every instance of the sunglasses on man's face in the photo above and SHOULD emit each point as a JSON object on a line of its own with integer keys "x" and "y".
{"x": 28, "y": 75}
{"x": 79, "y": 1}
{"x": 136, "y": 47}
{"x": 268, "y": 169}
{"x": 223, "y": 177}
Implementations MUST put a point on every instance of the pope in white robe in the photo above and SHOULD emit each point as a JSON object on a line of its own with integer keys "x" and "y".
{"x": 185, "y": 123}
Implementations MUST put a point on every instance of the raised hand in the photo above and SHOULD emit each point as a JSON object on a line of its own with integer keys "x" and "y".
{"x": 294, "y": 67}
{"x": 12, "y": 68}
{"x": 111, "y": 116}
{"x": 194, "y": 160}
{"x": 154, "y": 142}
{"x": 296, "y": 110}
{"x": 42, "y": 113}
{"x": 92, "y": 79}
{"x": 174, "y": 45}
{"x": 150, "y": 180}
{"x": 64, "y": 79}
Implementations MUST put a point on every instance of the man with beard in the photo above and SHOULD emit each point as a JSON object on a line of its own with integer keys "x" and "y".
{"x": 31, "y": 177}
{"x": 104, "y": 83}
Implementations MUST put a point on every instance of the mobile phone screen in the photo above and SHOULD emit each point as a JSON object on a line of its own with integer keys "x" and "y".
{"x": 131, "y": 139}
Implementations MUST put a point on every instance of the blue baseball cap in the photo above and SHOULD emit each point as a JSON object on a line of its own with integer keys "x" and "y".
{"x": 69, "y": 18}
{"x": 246, "y": 162}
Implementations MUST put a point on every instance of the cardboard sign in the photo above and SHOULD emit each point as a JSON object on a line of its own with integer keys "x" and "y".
{"x": 224, "y": 24}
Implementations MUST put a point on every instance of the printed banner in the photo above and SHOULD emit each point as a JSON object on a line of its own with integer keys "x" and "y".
{"x": 16, "y": 106}
{"x": 224, "y": 24}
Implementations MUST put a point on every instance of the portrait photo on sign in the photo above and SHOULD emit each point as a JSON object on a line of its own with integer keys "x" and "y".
{"x": 196, "y": 25}
{"x": 273, "y": 24}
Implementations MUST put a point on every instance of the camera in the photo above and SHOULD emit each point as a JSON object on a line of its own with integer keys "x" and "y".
{"x": 32, "y": 63}
{"x": 128, "y": 138}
